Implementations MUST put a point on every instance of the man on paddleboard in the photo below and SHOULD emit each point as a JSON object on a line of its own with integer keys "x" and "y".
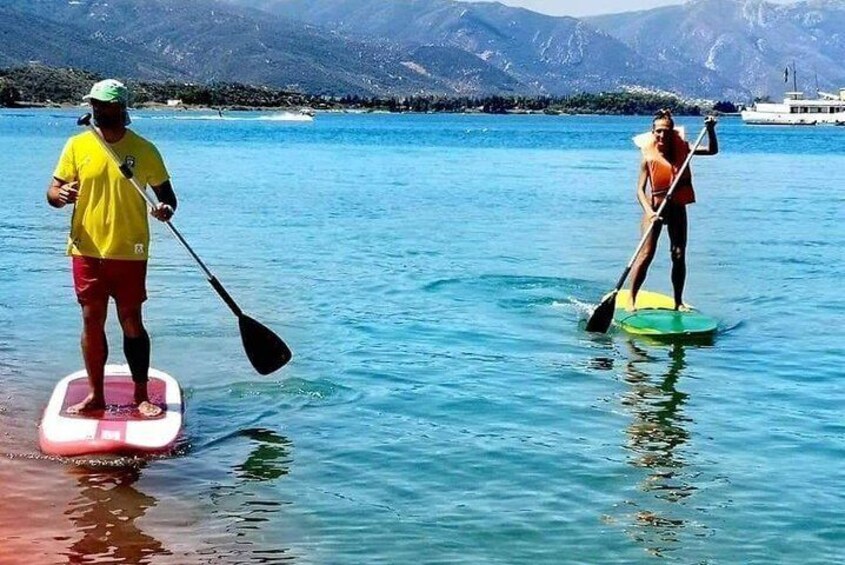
{"x": 109, "y": 236}
{"x": 663, "y": 154}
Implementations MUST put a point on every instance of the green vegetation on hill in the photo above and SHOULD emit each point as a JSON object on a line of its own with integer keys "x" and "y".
{"x": 41, "y": 84}
{"x": 217, "y": 94}
{"x": 619, "y": 103}
{"x": 37, "y": 84}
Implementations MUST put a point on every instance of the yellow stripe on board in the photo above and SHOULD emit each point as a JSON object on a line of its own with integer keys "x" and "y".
{"x": 646, "y": 299}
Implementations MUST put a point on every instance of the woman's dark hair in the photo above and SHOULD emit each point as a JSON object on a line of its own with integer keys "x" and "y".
{"x": 664, "y": 114}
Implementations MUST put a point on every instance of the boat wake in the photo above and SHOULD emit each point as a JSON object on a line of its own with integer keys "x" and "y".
{"x": 277, "y": 117}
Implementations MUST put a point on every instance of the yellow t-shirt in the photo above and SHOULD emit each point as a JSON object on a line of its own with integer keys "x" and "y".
{"x": 110, "y": 218}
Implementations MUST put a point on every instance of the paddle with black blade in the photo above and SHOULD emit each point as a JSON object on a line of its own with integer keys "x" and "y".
{"x": 602, "y": 316}
{"x": 265, "y": 350}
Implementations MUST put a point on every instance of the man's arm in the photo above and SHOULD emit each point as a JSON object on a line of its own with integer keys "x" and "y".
{"x": 166, "y": 201}
{"x": 61, "y": 193}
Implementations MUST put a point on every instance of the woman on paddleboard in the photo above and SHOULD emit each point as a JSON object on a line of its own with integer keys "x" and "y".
{"x": 109, "y": 236}
{"x": 664, "y": 152}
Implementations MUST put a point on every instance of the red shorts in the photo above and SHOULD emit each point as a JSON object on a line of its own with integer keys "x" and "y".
{"x": 97, "y": 279}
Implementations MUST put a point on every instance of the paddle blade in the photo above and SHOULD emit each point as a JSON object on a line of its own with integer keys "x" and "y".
{"x": 265, "y": 350}
{"x": 602, "y": 316}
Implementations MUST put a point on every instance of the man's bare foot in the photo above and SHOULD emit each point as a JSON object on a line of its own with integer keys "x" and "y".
{"x": 91, "y": 403}
{"x": 630, "y": 306}
{"x": 148, "y": 409}
{"x": 145, "y": 407}
{"x": 682, "y": 308}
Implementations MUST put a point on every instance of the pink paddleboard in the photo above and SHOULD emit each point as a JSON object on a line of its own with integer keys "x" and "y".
{"x": 120, "y": 428}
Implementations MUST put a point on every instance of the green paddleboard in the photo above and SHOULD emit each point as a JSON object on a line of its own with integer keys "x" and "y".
{"x": 655, "y": 316}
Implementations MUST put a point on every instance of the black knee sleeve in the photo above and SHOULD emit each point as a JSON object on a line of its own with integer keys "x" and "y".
{"x": 137, "y": 351}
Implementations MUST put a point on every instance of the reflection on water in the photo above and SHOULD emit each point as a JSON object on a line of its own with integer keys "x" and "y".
{"x": 270, "y": 457}
{"x": 248, "y": 509}
{"x": 236, "y": 527}
{"x": 656, "y": 438}
{"x": 92, "y": 510}
{"x": 105, "y": 512}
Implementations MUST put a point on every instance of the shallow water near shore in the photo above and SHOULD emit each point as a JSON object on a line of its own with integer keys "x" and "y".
{"x": 432, "y": 274}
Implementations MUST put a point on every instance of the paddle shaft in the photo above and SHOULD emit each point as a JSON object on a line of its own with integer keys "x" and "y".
{"x": 127, "y": 173}
{"x": 660, "y": 208}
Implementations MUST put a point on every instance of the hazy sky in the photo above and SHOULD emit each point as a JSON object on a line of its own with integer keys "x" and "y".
{"x": 592, "y": 7}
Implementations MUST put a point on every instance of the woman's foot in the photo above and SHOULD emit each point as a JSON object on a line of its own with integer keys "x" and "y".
{"x": 92, "y": 403}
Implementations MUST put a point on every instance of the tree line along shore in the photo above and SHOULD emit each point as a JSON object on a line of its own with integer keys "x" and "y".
{"x": 39, "y": 86}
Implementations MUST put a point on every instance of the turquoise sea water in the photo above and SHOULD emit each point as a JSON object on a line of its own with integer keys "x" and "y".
{"x": 432, "y": 274}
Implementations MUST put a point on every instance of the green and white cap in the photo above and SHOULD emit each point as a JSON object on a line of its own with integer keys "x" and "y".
{"x": 109, "y": 90}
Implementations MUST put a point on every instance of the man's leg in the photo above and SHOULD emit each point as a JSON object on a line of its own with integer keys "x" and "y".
{"x": 129, "y": 286}
{"x": 640, "y": 268}
{"x": 95, "y": 351}
{"x": 136, "y": 347}
{"x": 677, "y": 228}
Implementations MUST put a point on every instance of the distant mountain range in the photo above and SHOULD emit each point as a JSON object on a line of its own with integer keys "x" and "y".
{"x": 720, "y": 49}
{"x": 749, "y": 41}
{"x": 544, "y": 54}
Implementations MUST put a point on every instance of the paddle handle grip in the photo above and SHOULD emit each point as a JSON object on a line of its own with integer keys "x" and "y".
{"x": 660, "y": 208}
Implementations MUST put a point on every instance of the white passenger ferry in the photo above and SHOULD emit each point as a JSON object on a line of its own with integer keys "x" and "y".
{"x": 797, "y": 111}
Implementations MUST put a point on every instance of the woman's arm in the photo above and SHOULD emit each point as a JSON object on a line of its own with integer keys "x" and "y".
{"x": 642, "y": 195}
{"x": 712, "y": 141}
